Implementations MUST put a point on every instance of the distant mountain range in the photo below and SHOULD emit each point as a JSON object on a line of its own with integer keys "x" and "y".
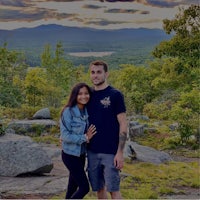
{"x": 32, "y": 40}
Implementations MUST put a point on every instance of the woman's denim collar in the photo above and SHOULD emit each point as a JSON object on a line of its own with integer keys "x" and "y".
{"x": 76, "y": 113}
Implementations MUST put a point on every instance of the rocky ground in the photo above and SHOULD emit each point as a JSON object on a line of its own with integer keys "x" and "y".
{"x": 37, "y": 187}
{"x": 54, "y": 183}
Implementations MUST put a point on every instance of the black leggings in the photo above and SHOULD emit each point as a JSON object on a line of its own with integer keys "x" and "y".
{"x": 78, "y": 185}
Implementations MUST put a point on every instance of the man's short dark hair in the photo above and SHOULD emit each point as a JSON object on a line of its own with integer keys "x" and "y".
{"x": 100, "y": 62}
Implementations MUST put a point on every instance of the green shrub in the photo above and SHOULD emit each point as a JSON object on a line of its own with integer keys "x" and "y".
{"x": 157, "y": 110}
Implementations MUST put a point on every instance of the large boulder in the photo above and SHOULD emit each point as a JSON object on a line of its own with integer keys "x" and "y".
{"x": 20, "y": 155}
{"x": 43, "y": 113}
{"x": 145, "y": 153}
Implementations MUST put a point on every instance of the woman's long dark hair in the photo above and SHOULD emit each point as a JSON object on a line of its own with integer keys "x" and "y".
{"x": 74, "y": 93}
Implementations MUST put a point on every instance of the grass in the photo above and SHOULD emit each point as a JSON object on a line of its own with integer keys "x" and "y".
{"x": 148, "y": 181}
{"x": 47, "y": 139}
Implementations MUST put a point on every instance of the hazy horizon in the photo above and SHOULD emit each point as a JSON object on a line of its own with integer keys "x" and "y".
{"x": 98, "y": 14}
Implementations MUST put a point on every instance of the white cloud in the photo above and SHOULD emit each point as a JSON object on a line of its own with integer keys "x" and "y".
{"x": 136, "y": 20}
{"x": 90, "y": 17}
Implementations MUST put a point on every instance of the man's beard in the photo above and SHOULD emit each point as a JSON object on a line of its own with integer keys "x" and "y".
{"x": 100, "y": 83}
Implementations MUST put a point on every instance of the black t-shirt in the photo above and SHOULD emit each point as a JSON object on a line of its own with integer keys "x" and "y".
{"x": 103, "y": 108}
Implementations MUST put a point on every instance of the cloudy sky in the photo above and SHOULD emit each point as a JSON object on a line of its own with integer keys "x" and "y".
{"x": 100, "y": 14}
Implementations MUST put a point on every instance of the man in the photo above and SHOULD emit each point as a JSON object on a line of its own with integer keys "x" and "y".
{"x": 107, "y": 112}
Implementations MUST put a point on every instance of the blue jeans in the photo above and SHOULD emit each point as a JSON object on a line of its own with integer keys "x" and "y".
{"x": 102, "y": 172}
{"x": 78, "y": 185}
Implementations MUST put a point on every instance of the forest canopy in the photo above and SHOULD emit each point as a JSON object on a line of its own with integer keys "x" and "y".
{"x": 167, "y": 88}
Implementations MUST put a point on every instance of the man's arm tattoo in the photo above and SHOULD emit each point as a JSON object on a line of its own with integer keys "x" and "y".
{"x": 122, "y": 140}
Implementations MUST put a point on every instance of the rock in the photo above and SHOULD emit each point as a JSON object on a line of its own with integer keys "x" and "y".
{"x": 133, "y": 123}
{"x": 42, "y": 114}
{"x": 31, "y": 127}
{"x": 129, "y": 151}
{"x": 37, "y": 187}
{"x": 9, "y": 131}
{"x": 33, "y": 187}
{"x": 145, "y": 154}
{"x": 44, "y": 186}
{"x": 151, "y": 130}
{"x": 158, "y": 123}
{"x": 173, "y": 127}
{"x": 142, "y": 117}
{"x": 137, "y": 130}
{"x": 20, "y": 155}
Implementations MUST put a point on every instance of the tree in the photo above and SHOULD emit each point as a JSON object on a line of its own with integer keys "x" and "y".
{"x": 135, "y": 83}
{"x": 12, "y": 68}
{"x": 185, "y": 42}
{"x": 60, "y": 72}
{"x": 179, "y": 72}
{"x": 168, "y": 76}
{"x": 35, "y": 85}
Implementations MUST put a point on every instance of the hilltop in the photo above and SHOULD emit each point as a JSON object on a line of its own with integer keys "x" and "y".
{"x": 133, "y": 45}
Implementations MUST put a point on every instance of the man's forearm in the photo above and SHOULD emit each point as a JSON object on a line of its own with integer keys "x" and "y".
{"x": 122, "y": 140}
{"x": 122, "y": 131}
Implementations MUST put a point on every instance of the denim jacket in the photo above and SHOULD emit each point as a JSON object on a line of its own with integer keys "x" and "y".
{"x": 72, "y": 127}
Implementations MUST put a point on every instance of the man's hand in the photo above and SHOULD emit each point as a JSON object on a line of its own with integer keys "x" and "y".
{"x": 119, "y": 160}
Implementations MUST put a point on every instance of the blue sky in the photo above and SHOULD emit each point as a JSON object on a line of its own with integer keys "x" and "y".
{"x": 99, "y": 14}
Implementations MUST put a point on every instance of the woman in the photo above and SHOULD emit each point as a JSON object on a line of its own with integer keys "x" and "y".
{"x": 75, "y": 134}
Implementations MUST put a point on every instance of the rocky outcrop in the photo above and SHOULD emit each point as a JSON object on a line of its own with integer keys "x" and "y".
{"x": 20, "y": 155}
{"x": 40, "y": 123}
{"x": 145, "y": 154}
{"x": 135, "y": 129}
{"x": 31, "y": 127}
{"x": 44, "y": 186}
